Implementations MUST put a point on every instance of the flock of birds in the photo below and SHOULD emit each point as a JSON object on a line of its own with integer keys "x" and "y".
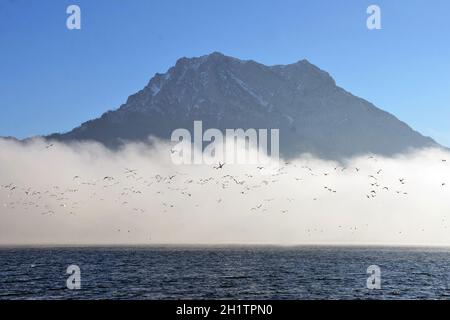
{"x": 134, "y": 192}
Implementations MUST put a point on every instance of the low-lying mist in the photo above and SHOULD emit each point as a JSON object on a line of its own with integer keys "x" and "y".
{"x": 83, "y": 193}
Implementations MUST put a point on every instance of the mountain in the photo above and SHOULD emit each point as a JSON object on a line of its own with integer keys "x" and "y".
{"x": 314, "y": 114}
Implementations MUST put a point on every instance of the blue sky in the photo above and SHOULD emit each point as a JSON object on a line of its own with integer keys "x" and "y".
{"x": 52, "y": 79}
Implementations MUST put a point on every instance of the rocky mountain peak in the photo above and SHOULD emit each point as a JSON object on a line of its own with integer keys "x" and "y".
{"x": 313, "y": 114}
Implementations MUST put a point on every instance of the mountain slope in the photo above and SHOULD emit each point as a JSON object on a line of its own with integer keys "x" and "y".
{"x": 313, "y": 114}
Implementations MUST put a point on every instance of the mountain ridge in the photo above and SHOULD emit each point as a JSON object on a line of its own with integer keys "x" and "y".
{"x": 314, "y": 114}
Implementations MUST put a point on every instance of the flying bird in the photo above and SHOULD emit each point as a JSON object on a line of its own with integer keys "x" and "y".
{"x": 219, "y": 166}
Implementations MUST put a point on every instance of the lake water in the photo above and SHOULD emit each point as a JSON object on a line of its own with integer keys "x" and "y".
{"x": 225, "y": 273}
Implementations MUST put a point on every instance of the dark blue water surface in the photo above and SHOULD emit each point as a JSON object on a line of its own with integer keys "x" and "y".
{"x": 224, "y": 273}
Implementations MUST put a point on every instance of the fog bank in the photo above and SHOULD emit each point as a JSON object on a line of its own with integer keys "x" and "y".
{"x": 85, "y": 194}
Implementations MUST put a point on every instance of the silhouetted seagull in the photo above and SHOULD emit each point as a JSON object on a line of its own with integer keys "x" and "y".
{"x": 219, "y": 166}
